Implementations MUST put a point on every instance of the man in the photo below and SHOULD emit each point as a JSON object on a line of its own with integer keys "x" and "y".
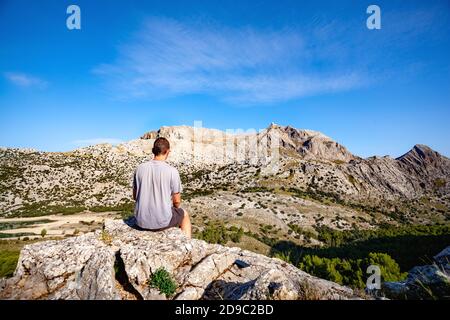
{"x": 157, "y": 192}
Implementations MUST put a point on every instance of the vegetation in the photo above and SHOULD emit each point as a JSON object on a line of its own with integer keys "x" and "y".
{"x": 256, "y": 189}
{"x": 216, "y": 232}
{"x": 106, "y": 237}
{"x": 351, "y": 272}
{"x": 42, "y": 209}
{"x": 125, "y": 207}
{"x": 8, "y": 262}
{"x": 21, "y": 224}
{"x": 306, "y": 233}
{"x": 43, "y": 233}
{"x": 197, "y": 193}
{"x": 439, "y": 183}
{"x": 15, "y": 235}
{"x": 162, "y": 280}
{"x": 395, "y": 241}
{"x": 347, "y": 254}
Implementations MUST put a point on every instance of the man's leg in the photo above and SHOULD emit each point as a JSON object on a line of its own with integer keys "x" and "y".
{"x": 186, "y": 225}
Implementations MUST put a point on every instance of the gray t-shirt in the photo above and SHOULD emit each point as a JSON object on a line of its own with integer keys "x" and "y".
{"x": 155, "y": 182}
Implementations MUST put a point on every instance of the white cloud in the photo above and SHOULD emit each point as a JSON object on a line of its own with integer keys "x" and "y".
{"x": 168, "y": 58}
{"x": 94, "y": 141}
{"x": 25, "y": 80}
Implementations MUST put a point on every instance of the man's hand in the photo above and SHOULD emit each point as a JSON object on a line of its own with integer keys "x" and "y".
{"x": 176, "y": 200}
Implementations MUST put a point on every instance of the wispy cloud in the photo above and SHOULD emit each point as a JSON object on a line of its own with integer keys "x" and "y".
{"x": 168, "y": 58}
{"x": 253, "y": 65}
{"x": 25, "y": 80}
{"x": 94, "y": 141}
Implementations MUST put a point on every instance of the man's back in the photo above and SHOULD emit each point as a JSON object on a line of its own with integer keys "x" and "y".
{"x": 154, "y": 183}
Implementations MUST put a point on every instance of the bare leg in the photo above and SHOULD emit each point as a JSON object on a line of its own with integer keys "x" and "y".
{"x": 186, "y": 225}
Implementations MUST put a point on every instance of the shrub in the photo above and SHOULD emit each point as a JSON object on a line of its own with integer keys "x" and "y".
{"x": 162, "y": 281}
{"x": 301, "y": 231}
{"x": 351, "y": 272}
{"x": 237, "y": 235}
{"x": 43, "y": 233}
{"x": 215, "y": 232}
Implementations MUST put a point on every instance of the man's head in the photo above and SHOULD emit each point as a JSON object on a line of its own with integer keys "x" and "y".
{"x": 161, "y": 148}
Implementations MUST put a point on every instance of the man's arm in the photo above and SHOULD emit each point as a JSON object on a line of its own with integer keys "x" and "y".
{"x": 176, "y": 200}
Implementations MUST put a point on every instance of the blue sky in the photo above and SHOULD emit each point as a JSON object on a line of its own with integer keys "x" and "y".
{"x": 136, "y": 66}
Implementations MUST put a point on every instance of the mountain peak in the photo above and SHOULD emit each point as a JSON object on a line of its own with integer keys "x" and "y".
{"x": 419, "y": 153}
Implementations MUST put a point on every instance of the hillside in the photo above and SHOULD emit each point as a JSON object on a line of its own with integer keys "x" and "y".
{"x": 310, "y": 165}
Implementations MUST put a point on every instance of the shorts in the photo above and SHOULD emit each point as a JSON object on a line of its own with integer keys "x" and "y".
{"x": 175, "y": 221}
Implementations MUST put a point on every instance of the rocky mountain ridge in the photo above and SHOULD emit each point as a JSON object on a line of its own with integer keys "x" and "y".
{"x": 213, "y": 161}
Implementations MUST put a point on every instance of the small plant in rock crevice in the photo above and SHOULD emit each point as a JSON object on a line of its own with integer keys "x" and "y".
{"x": 162, "y": 280}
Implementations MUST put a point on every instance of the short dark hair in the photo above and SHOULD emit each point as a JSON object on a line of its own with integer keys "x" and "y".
{"x": 160, "y": 146}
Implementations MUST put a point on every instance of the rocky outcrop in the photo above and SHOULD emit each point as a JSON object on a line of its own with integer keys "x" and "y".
{"x": 314, "y": 145}
{"x": 430, "y": 169}
{"x": 424, "y": 282}
{"x": 118, "y": 262}
{"x": 308, "y": 144}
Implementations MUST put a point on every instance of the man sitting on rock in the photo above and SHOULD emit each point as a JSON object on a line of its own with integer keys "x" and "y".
{"x": 156, "y": 190}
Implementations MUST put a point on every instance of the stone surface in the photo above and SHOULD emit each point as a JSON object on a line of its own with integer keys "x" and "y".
{"x": 117, "y": 263}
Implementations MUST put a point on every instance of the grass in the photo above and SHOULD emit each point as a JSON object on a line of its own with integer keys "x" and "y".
{"x": 162, "y": 280}
{"x": 8, "y": 262}
{"x": 106, "y": 237}
{"x": 9, "y": 255}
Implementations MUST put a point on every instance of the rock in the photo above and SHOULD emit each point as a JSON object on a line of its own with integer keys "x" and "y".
{"x": 423, "y": 282}
{"x": 443, "y": 259}
{"x": 87, "y": 267}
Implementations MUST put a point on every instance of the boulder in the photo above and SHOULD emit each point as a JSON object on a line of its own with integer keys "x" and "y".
{"x": 118, "y": 261}
{"x": 424, "y": 282}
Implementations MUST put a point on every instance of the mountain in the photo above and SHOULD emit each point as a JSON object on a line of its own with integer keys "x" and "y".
{"x": 119, "y": 262}
{"x": 429, "y": 166}
{"x": 309, "y": 180}
{"x": 312, "y": 144}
